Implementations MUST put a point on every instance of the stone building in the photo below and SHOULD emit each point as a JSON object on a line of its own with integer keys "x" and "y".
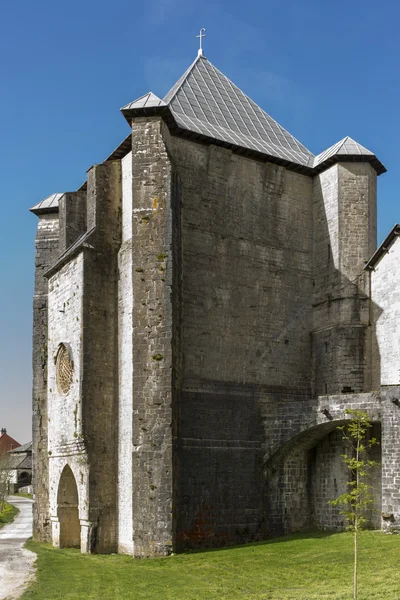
{"x": 206, "y": 307}
{"x": 7, "y": 443}
{"x": 19, "y": 464}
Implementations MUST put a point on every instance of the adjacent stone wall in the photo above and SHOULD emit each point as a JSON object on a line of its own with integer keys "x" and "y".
{"x": 47, "y": 241}
{"x": 385, "y": 291}
{"x": 391, "y": 458}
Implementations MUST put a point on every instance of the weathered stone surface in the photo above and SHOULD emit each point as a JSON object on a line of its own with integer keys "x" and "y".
{"x": 344, "y": 199}
{"x": 47, "y": 240}
{"x": 220, "y": 323}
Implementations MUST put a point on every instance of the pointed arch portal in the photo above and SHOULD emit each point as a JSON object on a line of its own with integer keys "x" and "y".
{"x": 68, "y": 510}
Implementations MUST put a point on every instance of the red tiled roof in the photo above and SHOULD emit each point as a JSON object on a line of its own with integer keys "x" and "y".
{"x": 7, "y": 443}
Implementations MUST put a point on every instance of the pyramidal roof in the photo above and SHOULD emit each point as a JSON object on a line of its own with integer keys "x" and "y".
{"x": 207, "y": 103}
{"x": 347, "y": 146}
{"x": 49, "y": 204}
{"x": 149, "y": 100}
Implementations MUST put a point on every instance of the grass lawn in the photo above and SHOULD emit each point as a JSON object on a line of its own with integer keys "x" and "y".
{"x": 292, "y": 568}
{"x": 8, "y": 514}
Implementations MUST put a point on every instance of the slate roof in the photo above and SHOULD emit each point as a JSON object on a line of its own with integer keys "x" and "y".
{"x": 149, "y": 100}
{"x": 24, "y": 448}
{"x": 12, "y": 461}
{"x": 49, "y": 204}
{"x": 206, "y": 102}
{"x": 26, "y": 463}
{"x": 207, "y": 105}
{"x": 347, "y": 149}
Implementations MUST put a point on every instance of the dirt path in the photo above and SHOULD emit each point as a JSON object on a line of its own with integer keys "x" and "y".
{"x": 16, "y": 563}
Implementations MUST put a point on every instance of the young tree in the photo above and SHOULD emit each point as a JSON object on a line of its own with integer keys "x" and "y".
{"x": 356, "y": 501}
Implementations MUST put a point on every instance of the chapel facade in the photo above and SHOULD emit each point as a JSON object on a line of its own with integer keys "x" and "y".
{"x": 207, "y": 305}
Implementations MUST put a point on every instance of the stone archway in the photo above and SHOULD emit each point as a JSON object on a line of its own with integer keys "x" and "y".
{"x": 68, "y": 510}
{"x": 305, "y": 473}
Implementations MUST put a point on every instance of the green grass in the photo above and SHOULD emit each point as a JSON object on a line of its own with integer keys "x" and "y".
{"x": 294, "y": 568}
{"x": 23, "y": 495}
{"x": 8, "y": 514}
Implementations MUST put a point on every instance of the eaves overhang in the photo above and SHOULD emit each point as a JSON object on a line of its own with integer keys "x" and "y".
{"x": 383, "y": 248}
{"x": 48, "y": 205}
{"x": 373, "y": 160}
{"x": 166, "y": 114}
{"x": 84, "y": 242}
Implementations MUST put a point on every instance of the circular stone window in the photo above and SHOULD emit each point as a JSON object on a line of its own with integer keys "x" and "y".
{"x": 64, "y": 368}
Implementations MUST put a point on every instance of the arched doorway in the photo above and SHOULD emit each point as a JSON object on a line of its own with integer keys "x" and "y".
{"x": 68, "y": 510}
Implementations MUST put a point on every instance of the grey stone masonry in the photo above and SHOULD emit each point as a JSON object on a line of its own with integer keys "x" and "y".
{"x": 344, "y": 238}
{"x": 245, "y": 318}
{"x": 208, "y": 320}
{"x": 152, "y": 317}
{"x": 72, "y": 215}
{"x": 47, "y": 248}
{"x": 391, "y": 458}
{"x": 100, "y": 351}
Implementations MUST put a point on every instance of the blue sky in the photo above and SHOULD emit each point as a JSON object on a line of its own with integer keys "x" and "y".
{"x": 323, "y": 70}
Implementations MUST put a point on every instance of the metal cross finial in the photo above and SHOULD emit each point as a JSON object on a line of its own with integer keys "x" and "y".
{"x": 202, "y": 34}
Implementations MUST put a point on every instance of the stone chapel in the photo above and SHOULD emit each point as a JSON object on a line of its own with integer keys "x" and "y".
{"x": 207, "y": 305}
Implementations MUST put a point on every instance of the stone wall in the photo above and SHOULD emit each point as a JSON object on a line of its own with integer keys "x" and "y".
{"x": 391, "y": 458}
{"x": 246, "y": 317}
{"x": 47, "y": 241}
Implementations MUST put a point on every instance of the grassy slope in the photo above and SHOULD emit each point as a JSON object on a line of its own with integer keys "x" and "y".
{"x": 293, "y": 568}
{"x": 8, "y": 514}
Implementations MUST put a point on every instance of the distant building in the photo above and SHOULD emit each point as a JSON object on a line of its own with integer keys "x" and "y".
{"x": 7, "y": 442}
{"x": 20, "y": 465}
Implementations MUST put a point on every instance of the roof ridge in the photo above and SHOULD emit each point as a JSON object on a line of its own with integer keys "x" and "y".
{"x": 251, "y": 102}
{"x": 177, "y": 85}
{"x": 342, "y": 142}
